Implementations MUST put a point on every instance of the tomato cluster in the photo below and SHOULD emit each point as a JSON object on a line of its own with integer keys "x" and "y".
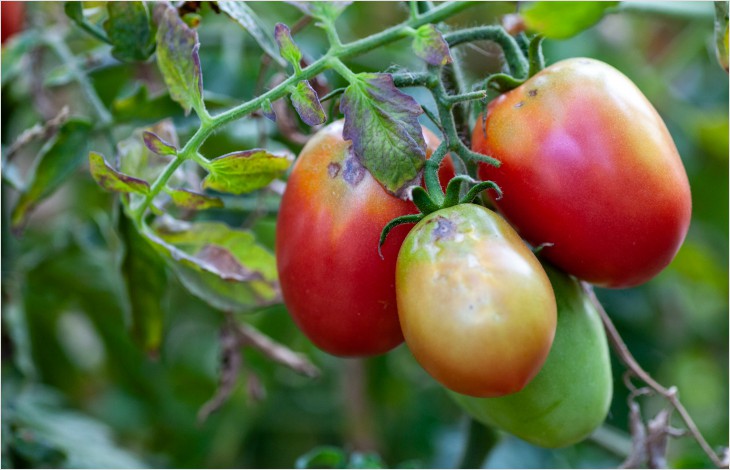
{"x": 589, "y": 173}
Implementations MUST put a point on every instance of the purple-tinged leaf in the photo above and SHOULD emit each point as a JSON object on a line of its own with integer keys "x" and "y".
{"x": 430, "y": 45}
{"x": 178, "y": 59}
{"x": 268, "y": 111}
{"x": 306, "y": 102}
{"x": 243, "y": 172}
{"x": 247, "y": 18}
{"x": 112, "y": 180}
{"x": 129, "y": 31}
{"x": 194, "y": 201}
{"x": 157, "y": 145}
{"x": 382, "y": 123}
{"x": 287, "y": 48}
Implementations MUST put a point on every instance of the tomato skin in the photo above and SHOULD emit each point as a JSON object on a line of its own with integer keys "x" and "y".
{"x": 476, "y": 307}
{"x": 589, "y": 166}
{"x": 570, "y": 396}
{"x": 335, "y": 285}
{"x": 13, "y": 14}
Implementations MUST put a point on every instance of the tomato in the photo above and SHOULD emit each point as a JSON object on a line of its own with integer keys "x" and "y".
{"x": 476, "y": 307}
{"x": 569, "y": 398}
{"x": 12, "y": 18}
{"x": 589, "y": 167}
{"x": 335, "y": 285}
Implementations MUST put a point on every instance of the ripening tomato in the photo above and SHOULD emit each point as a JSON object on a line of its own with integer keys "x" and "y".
{"x": 475, "y": 305}
{"x": 569, "y": 398}
{"x": 12, "y": 18}
{"x": 589, "y": 167}
{"x": 335, "y": 285}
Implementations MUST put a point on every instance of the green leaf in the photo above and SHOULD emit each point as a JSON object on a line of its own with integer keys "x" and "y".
{"x": 14, "y": 51}
{"x": 245, "y": 16}
{"x": 157, "y": 144}
{"x": 145, "y": 279}
{"x": 195, "y": 201}
{"x": 561, "y": 20}
{"x": 287, "y": 48}
{"x": 243, "y": 172}
{"x": 430, "y": 45}
{"x": 55, "y": 163}
{"x": 178, "y": 59}
{"x": 223, "y": 266}
{"x": 382, "y": 123}
{"x": 326, "y": 11}
{"x": 112, "y": 180}
{"x": 306, "y": 102}
{"x": 323, "y": 457}
{"x": 138, "y": 107}
{"x": 129, "y": 30}
{"x": 721, "y": 34}
{"x": 75, "y": 11}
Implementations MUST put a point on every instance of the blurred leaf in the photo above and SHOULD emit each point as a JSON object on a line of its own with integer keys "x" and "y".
{"x": 129, "y": 30}
{"x": 322, "y": 457}
{"x": 721, "y": 33}
{"x": 145, "y": 280}
{"x": 365, "y": 460}
{"x": 382, "y": 123}
{"x": 138, "y": 106}
{"x": 75, "y": 11}
{"x": 158, "y": 145}
{"x": 268, "y": 111}
{"x": 54, "y": 164}
{"x": 246, "y": 171}
{"x": 287, "y": 48}
{"x": 112, "y": 180}
{"x": 14, "y": 51}
{"x": 178, "y": 59}
{"x": 194, "y": 201}
{"x": 327, "y": 11}
{"x": 136, "y": 159}
{"x": 561, "y": 20}
{"x": 245, "y": 16}
{"x": 223, "y": 266}
{"x": 429, "y": 45}
{"x": 306, "y": 102}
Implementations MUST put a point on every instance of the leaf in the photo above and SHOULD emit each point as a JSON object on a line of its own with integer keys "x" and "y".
{"x": 136, "y": 159}
{"x": 306, "y": 102}
{"x": 112, "y": 180}
{"x": 55, "y": 163}
{"x": 178, "y": 59}
{"x": 382, "y": 123}
{"x": 561, "y": 20}
{"x": 157, "y": 145}
{"x": 430, "y": 45}
{"x": 245, "y": 16}
{"x": 322, "y": 457}
{"x": 75, "y": 11}
{"x": 129, "y": 31}
{"x": 287, "y": 48}
{"x": 721, "y": 34}
{"x": 145, "y": 279}
{"x": 243, "y": 172}
{"x": 327, "y": 11}
{"x": 14, "y": 51}
{"x": 139, "y": 107}
{"x": 223, "y": 266}
{"x": 195, "y": 201}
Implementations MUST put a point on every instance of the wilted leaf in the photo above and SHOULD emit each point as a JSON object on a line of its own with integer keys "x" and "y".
{"x": 561, "y": 20}
{"x": 129, "y": 30}
{"x": 306, "y": 102}
{"x": 243, "y": 172}
{"x": 145, "y": 280}
{"x": 430, "y": 45}
{"x": 55, "y": 162}
{"x": 178, "y": 59}
{"x": 382, "y": 123}
{"x": 245, "y": 16}
{"x": 112, "y": 180}
{"x": 158, "y": 145}
{"x": 195, "y": 201}
{"x": 287, "y": 48}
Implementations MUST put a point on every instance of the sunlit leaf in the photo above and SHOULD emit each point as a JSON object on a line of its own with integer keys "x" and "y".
{"x": 429, "y": 45}
{"x": 56, "y": 161}
{"x": 287, "y": 48}
{"x": 382, "y": 123}
{"x": 129, "y": 30}
{"x": 247, "y": 18}
{"x": 306, "y": 102}
{"x": 113, "y": 180}
{"x": 243, "y": 172}
{"x": 561, "y": 20}
{"x": 194, "y": 201}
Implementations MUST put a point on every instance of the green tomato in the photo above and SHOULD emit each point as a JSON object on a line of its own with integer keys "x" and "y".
{"x": 570, "y": 396}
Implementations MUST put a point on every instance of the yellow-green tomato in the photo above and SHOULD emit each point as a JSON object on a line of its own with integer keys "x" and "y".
{"x": 475, "y": 305}
{"x": 571, "y": 395}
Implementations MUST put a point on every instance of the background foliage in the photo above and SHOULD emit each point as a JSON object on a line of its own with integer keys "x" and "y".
{"x": 79, "y": 391}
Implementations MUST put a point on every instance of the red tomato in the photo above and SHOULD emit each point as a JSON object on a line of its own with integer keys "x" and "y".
{"x": 336, "y": 287}
{"x": 12, "y": 18}
{"x": 589, "y": 167}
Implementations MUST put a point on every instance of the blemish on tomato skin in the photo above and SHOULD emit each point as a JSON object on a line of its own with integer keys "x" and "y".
{"x": 445, "y": 229}
{"x": 333, "y": 169}
{"x": 532, "y": 92}
{"x": 353, "y": 172}
{"x": 520, "y": 104}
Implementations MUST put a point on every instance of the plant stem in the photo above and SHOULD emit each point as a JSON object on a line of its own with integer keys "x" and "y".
{"x": 513, "y": 55}
{"x": 480, "y": 441}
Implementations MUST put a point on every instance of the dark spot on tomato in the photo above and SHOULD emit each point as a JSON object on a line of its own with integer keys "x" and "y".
{"x": 333, "y": 169}
{"x": 445, "y": 229}
{"x": 354, "y": 172}
{"x": 520, "y": 104}
{"x": 532, "y": 92}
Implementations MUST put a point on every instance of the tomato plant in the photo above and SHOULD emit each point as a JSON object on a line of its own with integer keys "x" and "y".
{"x": 590, "y": 170}
{"x": 476, "y": 307}
{"x": 570, "y": 396}
{"x": 335, "y": 285}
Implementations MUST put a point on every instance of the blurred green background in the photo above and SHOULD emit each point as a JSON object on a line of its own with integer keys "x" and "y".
{"x": 79, "y": 392}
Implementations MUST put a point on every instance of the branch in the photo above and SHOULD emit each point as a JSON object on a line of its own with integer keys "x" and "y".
{"x": 670, "y": 394}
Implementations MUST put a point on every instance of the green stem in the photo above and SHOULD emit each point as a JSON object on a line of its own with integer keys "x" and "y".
{"x": 155, "y": 189}
{"x": 535, "y": 57}
{"x": 513, "y": 55}
{"x": 480, "y": 441}
{"x": 431, "y": 173}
